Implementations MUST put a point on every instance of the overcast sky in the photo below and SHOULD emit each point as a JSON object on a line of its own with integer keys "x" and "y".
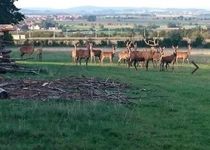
{"x": 59, "y": 4}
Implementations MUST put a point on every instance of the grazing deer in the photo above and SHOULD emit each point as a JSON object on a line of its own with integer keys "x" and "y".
{"x": 29, "y": 49}
{"x": 108, "y": 54}
{"x": 183, "y": 55}
{"x": 82, "y": 53}
{"x": 167, "y": 60}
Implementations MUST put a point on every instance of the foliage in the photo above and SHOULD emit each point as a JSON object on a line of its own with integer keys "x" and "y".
{"x": 175, "y": 37}
{"x": 48, "y": 23}
{"x": 8, "y": 39}
{"x": 199, "y": 41}
{"x": 9, "y": 12}
{"x": 91, "y": 18}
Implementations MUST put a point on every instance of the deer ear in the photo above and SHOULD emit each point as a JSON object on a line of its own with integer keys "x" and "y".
{"x": 177, "y": 47}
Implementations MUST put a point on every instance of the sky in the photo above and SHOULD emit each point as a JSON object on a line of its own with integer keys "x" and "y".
{"x": 60, "y": 4}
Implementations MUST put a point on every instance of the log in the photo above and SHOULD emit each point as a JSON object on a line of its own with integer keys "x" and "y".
{"x": 3, "y": 94}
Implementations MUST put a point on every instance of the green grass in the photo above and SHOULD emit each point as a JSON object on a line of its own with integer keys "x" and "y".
{"x": 169, "y": 110}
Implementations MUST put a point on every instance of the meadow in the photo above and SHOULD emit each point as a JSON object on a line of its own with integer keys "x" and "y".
{"x": 167, "y": 110}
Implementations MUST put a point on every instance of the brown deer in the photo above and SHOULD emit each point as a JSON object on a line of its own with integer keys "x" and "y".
{"x": 157, "y": 56}
{"x": 140, "y": 56}
{"x": 82, "y": 53}
{"x": 29, "y": 49}
{"x": 153, "y": 54}
{"x": 94, "y": 52}
{"x": 183, "y": 55}
{"x": 167, "y": 60}
{"x": 108, "y": 54}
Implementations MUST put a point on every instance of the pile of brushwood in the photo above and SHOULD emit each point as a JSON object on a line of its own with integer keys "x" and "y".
{"x": 69, "y": 88}
{"x": 8, "y": 64}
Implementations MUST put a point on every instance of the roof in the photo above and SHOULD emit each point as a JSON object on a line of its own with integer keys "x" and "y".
{"x": 6, "y": 27}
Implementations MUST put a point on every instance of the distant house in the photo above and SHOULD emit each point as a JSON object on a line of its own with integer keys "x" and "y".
{"x": 18, "y": 36}
{"x": 34, "y": 27}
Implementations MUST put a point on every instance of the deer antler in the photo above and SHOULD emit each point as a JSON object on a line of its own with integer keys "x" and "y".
{"x": 152, "y": 43}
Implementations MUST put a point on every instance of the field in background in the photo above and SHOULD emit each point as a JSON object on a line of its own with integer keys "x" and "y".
{"x": 167, "y": 110}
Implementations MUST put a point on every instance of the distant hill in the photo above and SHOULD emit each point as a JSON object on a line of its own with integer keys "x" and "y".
{"x": 89, "y": 10}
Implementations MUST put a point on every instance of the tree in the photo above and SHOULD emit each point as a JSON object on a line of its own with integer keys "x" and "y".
{"x": 48, "y": 23}
{"x": 9, "y": 12}
{"x": 91, "y": 18}
{"x": 175, "y": 37}
{"x": 199, "y": 41}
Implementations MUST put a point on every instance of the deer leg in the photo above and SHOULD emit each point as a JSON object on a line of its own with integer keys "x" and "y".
{"x": 167, "y": 66}
{"x": 21, "y": 55}
{"x": 77, "y": 59}
{"x": 161, "y": 68}
{"x": 135, "y": 64}
{"x": 80, "y": 59}
{"x": 86, "y": 60}
{"x": 102, "y": 60}
{"x": 119, "y": 60}
{"x": 147, "y": 63}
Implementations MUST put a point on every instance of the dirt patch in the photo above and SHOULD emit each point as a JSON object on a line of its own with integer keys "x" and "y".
{"x": 71, "y": 88}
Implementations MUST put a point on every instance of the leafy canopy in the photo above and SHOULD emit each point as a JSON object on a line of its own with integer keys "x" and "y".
{"x": 9, "y": 13}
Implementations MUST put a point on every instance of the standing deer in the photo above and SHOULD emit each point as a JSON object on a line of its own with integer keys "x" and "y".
{"x": 167, "y": 60}
{"x": 153, "y": 54}
{"x": 94, "y": 52}
{"x": 29, "y": 49}
{"x": 124, "y": 54}
{"x": 183, "y": 55}
{"x": 108, "y": 54}
{"x": 157, "y": 56}
{"x": 82, "y": 53}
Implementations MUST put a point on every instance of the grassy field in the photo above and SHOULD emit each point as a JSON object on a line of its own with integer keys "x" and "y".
{"x": 170, "y": 110}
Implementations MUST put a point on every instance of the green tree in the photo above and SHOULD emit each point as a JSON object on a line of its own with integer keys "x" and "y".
{"x": 49, "y": 22}
{"x": 9, "y": 12}
{"x": 175, "y": 37}
{"x": 199, "y": 41}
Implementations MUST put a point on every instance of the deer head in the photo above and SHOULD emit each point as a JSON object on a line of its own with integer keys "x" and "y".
{"x": 175, "y": 48}
{"x": 129, "y": 45}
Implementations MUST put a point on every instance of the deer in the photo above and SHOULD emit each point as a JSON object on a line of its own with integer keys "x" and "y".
{"x": 94, "y": 52}
{"x": 167, "y": 60}
{"x": 157, "y": 56}
{"x": 108, "y": 54}
{"x": 82, "y": 53}
{"x": 138, "y": 56}
{"x": 154, "y": 54}
{"x": 124, "y": 54}
{"x": 73, "y": 54}
{"x": 29, "y": 49}
{"x": 183, "y": 55}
